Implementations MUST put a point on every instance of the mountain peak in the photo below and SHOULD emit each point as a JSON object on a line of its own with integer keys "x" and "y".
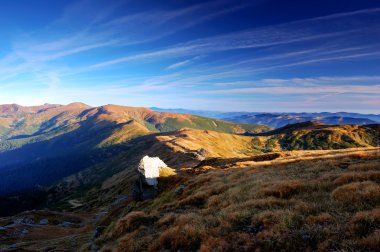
{"x": 78, "y": 105}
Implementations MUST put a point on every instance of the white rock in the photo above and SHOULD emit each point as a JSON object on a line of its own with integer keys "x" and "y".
{"x": 150, "y": 168}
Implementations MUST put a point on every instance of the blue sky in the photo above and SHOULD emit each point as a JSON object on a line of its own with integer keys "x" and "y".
{"x": 259, "y": 55}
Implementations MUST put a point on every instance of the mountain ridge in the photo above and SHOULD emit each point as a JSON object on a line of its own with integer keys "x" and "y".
{"x": 32, "y": 137}
{"x": 231, "y": 115}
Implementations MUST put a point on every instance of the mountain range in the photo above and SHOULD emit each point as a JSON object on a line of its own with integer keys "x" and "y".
{"x": 75, "y": 136}
{"x": 76, "y": 160}
{"x": 280, "y": 119}
{"x": 41, "y": 145}
{"x": 277, "y": 121}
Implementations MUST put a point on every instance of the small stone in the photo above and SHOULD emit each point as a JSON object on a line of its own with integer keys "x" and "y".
{"x": 66, "y": 224}
{"x": 120, "y": 200}
{"x": 306, "y": 237}
{"x": 98, "y": 231}
{"x": 44, "y": 222}
{"x": 179, "y": 190}
{"x": 24, "y": 232}
{"x": 24, "y": 220}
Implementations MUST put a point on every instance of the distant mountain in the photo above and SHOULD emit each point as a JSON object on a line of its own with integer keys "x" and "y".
{"x": 206, "y": 113}
{"x": 233, "y": 115}
{"x": 373, "y": 117}
{"x": 15, "y": 109}
{"x": 280, "y": 120}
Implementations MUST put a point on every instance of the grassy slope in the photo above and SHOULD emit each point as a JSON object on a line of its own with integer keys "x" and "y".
{"x": 36, "y": 141}
{"x": 197, "y": 122}
{"x": 317, "y": 136}
{"x": 17, "y": 130}
{"x": 304, "y": 200}
{"x": 101, "y": 183}
{"x": 326, "y": 200}
{"x": 179, "y": 149}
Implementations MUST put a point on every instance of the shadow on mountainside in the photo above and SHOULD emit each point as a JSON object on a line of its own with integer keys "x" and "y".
{"x": 44, "y": 162}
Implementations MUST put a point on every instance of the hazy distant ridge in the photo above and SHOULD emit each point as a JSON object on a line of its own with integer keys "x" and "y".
{"x": 282, "y": 118}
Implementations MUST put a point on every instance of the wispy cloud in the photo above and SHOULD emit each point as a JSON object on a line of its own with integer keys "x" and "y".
{"x": 306, "y": 31}
{"x": 320, "y": 86}
{"x": 99, "y": 29}
{"x": 179, "y": 64}
{"x": 183, "y": 63}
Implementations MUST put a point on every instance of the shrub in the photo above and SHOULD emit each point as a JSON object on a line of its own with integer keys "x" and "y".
{"x": 365, "y": 222}
{"x": 196, "y": 199}
{"x": 137, "y": 240}
{"x": 372, "y": 241}
{"x": 319, "y": 219}
{"x": 364, "y": 166}
{"x": 357, "y": 176}
{"x": 189, "y": 218}
{"x": 131, "y": 222}
{"x": 266, "y": 203}
{"x": 238, "y": 217}
{"x": 268, "y": 218}
{"x": 187, "y": 237}
{"x": 167, "y": 219}
{"x": 212, "y": 244}
{"x": 283, "y": 189}
{"x": 358, "y": 192}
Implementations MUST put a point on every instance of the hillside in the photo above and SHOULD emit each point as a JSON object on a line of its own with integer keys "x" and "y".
{"x": 188, "y": 148}
{"x": 113, "y": 177}
{"x": 321, "y": 200}
{"x": 299, "y": 201}
{"x": 280, "y": 120}
{"x": 318, "y": 136}
{"x": 82, "y": 161}
{"x": 42, "y": 144}
{"x": 111, "y": 166}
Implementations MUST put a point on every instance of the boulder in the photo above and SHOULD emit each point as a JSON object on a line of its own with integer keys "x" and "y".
{"x": 146, "y": 186}
{"x": 149, "y": 168}
{"x": 142, "y": 191}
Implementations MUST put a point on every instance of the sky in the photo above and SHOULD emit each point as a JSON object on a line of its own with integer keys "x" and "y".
{"x": 224, "y": 55}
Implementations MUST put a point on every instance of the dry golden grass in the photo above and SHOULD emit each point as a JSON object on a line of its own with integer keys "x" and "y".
{"x": 215, "y": 144}
{"x": 282, "y": 189}
{"x": 357, "y": 176}
{"x": 364, "y": 222}
{"x": 129, "y": 222}
{"x": 372, "y": 241}
{"x": 358, "y": 193}
{"x": 323, "y": 200}
{"x": 167, "y": 172}
{"x": 319, "y": 218}
{"x": 183, "y": 237}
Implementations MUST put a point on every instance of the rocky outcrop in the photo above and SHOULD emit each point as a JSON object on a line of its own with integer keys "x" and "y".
{"x": 145, "y": 186}
{"x": 149, "y": 168}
